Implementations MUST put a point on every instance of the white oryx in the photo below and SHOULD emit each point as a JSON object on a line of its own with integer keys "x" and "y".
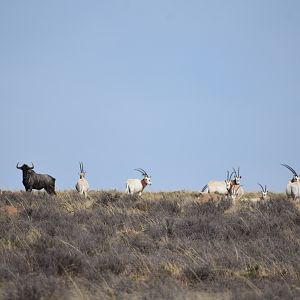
{"x": 236, "y": 192}
{"x": 263, "y": 195}
{"x": 237, "y": 176}
{"x": 82, "y": 185}
{"x": 219, "y": 187}
{"x": 134, "y": 186}
{"x": 293, "y": 186}
{"x": 264, "y": 192}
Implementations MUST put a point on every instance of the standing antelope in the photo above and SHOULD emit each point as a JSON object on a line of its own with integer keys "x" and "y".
{"x": 293, "y": 186}
{"x": 264, "y": 192}
{"x": 236, "y": 192}
{"x": 137, "y": 185}
{"x": 82, "y": 185}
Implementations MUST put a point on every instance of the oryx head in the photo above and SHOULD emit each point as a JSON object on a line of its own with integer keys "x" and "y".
{"x": 295, "y": 175}
{"x": 228, "y": 181}
{"x": 264, "y": 191}
{"x": 237, "y": 176}
{"x": 147, "y": 178}
{"x": 82, "y": 172}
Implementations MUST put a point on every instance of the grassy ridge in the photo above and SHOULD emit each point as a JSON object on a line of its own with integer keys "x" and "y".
{"x": 160, "y": 246}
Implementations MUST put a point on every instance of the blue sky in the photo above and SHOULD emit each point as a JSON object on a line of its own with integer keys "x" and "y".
{"x": 183, "y": 89}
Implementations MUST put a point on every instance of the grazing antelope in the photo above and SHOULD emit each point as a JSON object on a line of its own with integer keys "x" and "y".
{"x": 293, "y": 186}
{"x": 134, "y": 186}
{"x": 82, "y": 185}
{"x": 219, "y": 187}
{"x": 32, "y": 180}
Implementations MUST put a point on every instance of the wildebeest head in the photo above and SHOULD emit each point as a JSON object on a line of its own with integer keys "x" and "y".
{"x": 25, "y": 168}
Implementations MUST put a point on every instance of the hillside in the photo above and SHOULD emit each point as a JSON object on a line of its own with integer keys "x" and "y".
{"x": 160, "y": 246}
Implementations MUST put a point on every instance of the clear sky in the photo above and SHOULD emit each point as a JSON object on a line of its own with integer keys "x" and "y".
{"x": 183, "y": 89}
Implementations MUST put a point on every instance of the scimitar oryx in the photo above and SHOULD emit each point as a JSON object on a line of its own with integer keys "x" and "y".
{"x": 219, "y": 187}
{"x": 236, "y": 192}
{"x": 237, "y": 176}
{"x": 293, "y": 186}
{"x": 134, "y": 186}
{"x": 82, "y": 185}
{"x": 264, "y": 192}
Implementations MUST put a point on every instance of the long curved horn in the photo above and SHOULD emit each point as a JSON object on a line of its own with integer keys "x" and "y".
{"x": 31, "y": 166}
{"x": 227, "y": 175}
{"x": 234, "y": 171}
{"x": 81, "y": 167}
{"x": 144, "y": 173}
{"x": 143, "y": 170}
{"x": 290, "y": 168}
{"x": 261, "y": 187}
{"x": 204, "y": 188}
{"x": 17, "y": 166}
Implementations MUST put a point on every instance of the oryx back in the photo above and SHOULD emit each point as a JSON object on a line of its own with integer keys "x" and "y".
{"x": 217, "y": 187}
{"x": 133, "y": 186}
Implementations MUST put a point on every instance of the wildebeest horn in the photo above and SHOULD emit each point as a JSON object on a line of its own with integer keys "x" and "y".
{"x": 32, "y": 166}
{"x": 17, "y": 166}
{"x": 290, "y": 168}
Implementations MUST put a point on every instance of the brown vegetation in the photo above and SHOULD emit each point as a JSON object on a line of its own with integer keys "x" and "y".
{"x": 158, "y": 246}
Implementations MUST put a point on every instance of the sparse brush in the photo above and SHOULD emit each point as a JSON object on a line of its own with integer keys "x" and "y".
{"x": 157, "y": 246}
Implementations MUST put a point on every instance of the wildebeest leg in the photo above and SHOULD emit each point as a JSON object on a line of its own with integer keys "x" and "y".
{"x": 50, "y": 190}
{"x": 29, "y": 189}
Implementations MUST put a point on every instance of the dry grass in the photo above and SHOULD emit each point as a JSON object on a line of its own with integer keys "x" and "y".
{"x": 177, "y": 245}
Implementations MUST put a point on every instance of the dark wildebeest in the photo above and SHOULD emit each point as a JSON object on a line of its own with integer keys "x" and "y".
{"x": 32, "y": 180}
